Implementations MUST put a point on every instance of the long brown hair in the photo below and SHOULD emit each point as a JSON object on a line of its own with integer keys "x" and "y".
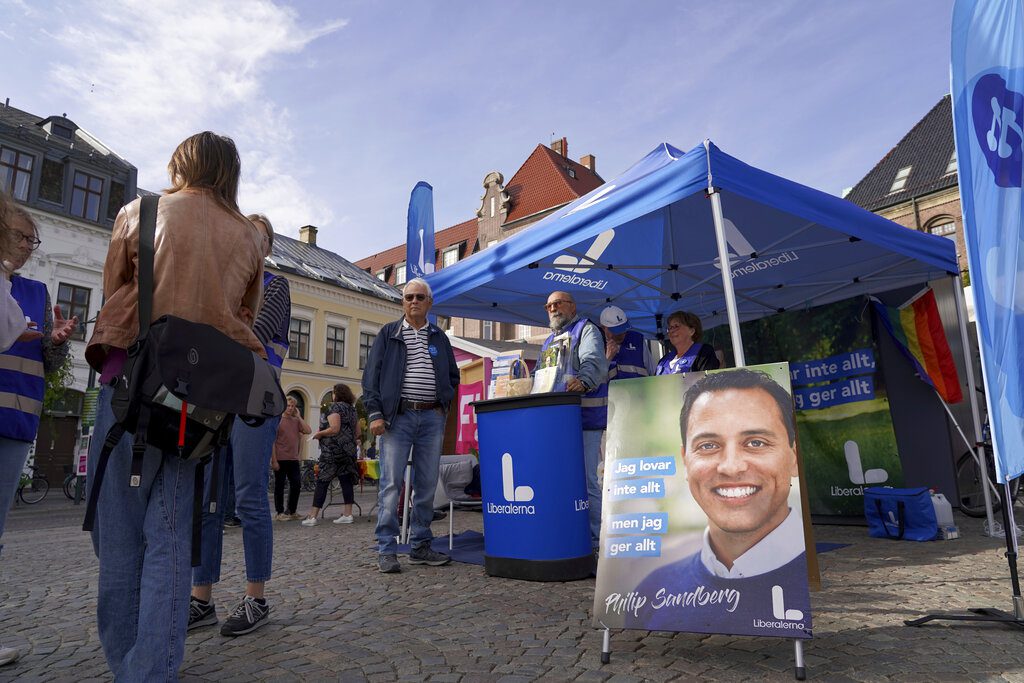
{"x": 210, "y": 161}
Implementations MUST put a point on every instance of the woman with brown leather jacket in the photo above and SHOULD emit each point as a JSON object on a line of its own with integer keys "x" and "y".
{"x": 208, "y": 268}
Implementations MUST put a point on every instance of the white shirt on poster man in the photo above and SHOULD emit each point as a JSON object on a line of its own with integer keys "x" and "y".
{"x": 780, "y": 547}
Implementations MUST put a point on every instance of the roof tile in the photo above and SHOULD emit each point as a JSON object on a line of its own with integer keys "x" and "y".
{"x": 926, "y": 148}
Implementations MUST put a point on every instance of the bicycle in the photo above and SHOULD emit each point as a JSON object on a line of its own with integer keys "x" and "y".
{"x": 72, "y": 485}
{"x": 33, "y": 487}
{"x": 968, "y": 480}
{"x": 309, "y": 475}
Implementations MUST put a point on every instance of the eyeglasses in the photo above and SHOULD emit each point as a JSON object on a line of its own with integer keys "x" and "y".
{"x": 415, "y": 297}
{"x": 32, "y": 241}
{"x": 673, "y": 328}
{"x": 552, "y": 305}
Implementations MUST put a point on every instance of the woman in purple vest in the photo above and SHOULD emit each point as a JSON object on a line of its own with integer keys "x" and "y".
{"x": 685, "y": 332}
{"x": 24, "y": 365}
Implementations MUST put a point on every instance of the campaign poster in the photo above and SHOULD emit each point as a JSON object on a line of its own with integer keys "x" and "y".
{"x": 702, "y": 523}
{"x": 847, "y": 441}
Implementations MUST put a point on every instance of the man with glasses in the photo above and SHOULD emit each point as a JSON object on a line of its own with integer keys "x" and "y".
{"x": 586, "y": 372}
{"x": 410, "y": 381}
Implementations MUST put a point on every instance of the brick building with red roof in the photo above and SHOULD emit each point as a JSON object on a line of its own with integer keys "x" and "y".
{"x": 547, "y": 181}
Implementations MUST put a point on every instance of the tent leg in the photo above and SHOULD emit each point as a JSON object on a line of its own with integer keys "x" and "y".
{"x": 800, "y": 670}
{"x": 961, "y": 316}
{"x": 727, "y": 288}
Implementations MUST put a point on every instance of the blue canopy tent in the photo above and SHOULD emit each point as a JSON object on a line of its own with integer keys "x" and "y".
{"x": 647, "y": 242}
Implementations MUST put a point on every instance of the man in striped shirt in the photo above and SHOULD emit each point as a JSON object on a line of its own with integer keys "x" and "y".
{"x": 409, "y": 382}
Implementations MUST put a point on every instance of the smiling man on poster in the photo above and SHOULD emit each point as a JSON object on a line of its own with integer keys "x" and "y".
{"x": 750, "y": 575}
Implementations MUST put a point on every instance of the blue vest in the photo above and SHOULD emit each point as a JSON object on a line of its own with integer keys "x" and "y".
{"x": 629, "y": 361}
{"x": 277, "y": 349}
{"x": 595, "y": 403}
{"x": 671, "y": 365}
{"x": 21, "y": 368}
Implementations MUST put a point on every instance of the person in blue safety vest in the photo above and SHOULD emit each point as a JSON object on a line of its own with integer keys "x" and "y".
{"x": 32, "y": 343}
{"x": 244, "y": 470}
{"x": 688, "y": 354}
{"x": 626, "y": 349}
{"x": 586, "y": 372}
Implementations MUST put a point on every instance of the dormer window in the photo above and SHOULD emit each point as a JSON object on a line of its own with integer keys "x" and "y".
{"x": 951, "y": 166}
{"x": 572, "y": 172}
{"x": 901, "y": 179}
{"x": 63, "y": 132}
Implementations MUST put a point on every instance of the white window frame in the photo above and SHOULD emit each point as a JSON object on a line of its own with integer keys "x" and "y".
{"x": 450, "y": 251}
{"x": 900, "y": 182}
{"x": 401, "y": 275}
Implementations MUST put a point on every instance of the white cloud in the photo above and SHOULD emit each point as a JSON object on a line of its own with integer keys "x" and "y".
{"x": 160, "y": 71}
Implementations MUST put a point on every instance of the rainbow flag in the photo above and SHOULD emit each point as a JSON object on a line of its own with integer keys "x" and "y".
{"x": 917, "y": 329}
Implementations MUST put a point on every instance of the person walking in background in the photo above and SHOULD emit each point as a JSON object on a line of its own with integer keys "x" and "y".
{"x": 244, "y": 466}
{"x": 409, "y": 383}
{"x": 285, "y": 460}
{"x": 684, "y": 333}
{"x": 339, "y": 433}
{"x": 207, "y": 268}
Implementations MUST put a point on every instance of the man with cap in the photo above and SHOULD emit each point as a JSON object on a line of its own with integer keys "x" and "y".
{"x": 626, "y": 350}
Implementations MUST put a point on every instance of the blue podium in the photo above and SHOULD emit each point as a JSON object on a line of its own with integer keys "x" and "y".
{"x": 534, "y": 488}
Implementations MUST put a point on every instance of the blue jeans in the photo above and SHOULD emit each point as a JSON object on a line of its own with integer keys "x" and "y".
{"x": 591, "y": 459}
{"x": 13, "y": 454}
{"x": 246, "y": 460}
{"x": 423, "y": 431}
{"x": 143, "y": 539}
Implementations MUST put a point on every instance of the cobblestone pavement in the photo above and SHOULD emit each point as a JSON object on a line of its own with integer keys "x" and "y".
{"x": 336, "y": 618}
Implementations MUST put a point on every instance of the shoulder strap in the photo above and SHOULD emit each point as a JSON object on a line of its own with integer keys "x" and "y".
{"x": 147, "y": 237}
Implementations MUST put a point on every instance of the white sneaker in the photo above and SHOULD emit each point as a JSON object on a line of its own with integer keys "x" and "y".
{"x": 310, "y": 521}
{"x": 8, "y": 655}
{"x": 344, "y": 519}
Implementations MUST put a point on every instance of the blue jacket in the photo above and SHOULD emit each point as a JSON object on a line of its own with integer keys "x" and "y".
{"x": 385, "y": 371}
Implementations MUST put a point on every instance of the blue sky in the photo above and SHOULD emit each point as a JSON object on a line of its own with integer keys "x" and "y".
{"x": 339, "y": 108}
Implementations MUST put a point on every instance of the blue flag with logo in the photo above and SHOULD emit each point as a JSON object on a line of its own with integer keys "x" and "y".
{"x": 419, "y": 244}
{"x": 987, "y": 73}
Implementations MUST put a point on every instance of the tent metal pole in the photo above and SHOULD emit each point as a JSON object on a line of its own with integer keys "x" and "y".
{"x": 727, "y": 289}
{"x": 958, "y": 295}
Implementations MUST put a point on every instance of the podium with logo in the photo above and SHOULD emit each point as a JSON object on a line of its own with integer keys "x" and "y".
{"x": 534, "y": 488}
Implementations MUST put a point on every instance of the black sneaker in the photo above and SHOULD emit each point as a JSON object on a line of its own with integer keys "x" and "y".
{"x": 232, "y": 522}
{"x": 247, "y": 617}
{"x": 427, "y": 555}
{"x": 200, "y": 614}
{"x": 388, "y": 564}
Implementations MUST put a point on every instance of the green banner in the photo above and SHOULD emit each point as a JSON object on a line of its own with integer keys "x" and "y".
{"x": 843, "y": 422}
{"x": 89, "y": 405}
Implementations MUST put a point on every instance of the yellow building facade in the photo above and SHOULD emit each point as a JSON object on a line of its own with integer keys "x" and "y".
{"x": 337, "y": 311}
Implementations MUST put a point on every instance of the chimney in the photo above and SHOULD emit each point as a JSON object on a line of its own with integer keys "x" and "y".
{"x": 307, "y": 235}
{"x": 561, "y": 146}
{"x": 590, "y": 161}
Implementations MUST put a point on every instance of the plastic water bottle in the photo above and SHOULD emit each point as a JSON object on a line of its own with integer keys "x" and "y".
{"x": 944, "y": 517}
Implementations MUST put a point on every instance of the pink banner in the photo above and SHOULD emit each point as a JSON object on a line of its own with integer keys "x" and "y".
{"x": 467, "y": 417}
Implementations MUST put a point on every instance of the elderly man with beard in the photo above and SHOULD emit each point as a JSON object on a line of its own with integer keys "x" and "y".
{"x": 586, "y": 373}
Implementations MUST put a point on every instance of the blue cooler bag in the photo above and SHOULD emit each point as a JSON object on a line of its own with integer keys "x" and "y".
{"x": 906, "y": 514}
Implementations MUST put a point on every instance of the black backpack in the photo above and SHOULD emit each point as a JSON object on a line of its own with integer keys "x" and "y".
{"x": 181, "y": 387}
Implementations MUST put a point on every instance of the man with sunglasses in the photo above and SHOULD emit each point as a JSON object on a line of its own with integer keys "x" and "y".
{"x": 409, "y": 382}
{"x": 586, "y": 372}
